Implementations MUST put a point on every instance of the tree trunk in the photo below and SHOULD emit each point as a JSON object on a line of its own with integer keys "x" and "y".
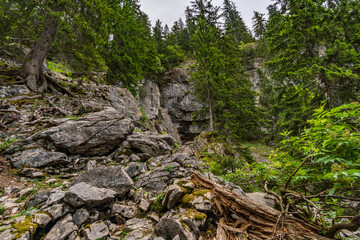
{"x": 32, "y": 70}
{"x": 211, "y": 127}
{"x": 242, "y": 218}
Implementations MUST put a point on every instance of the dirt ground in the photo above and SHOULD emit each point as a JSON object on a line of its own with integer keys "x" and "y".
{"x": 7, "y": 178}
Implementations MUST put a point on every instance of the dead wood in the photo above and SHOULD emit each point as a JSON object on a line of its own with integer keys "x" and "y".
{"x": 261, "y": 221}
{"x": 59, "y": 109}
{"x": 13, "y": 83}
{"x": 23, "y": 97}
{"x": 9, "y": 111}
{"x": 351, "y": 226}
{"x": 42, "y": 120}
{"x": 53, "y": 82}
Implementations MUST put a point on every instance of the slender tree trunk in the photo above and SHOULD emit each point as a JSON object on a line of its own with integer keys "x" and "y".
{"x": 32, "y": 69}
{"x": 211, "y": 127}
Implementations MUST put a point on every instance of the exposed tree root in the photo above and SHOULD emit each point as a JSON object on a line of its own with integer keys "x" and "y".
{"x": 23, "y": 97}
{"x": 258, "y": 221}
{"x": 62, "y": 89}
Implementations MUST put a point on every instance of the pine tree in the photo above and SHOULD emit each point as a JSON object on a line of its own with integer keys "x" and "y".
{"x": 234, "y": 24}
{"x": 259, "y": 24}
{"x": 131, "y": 56}
{"x": 312, "y": 58}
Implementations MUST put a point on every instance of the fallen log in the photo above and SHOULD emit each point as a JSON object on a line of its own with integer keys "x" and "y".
{"x": 258, "y": 221}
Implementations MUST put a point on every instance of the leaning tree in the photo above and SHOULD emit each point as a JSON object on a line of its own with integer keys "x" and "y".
{"x": 77, "y": 28}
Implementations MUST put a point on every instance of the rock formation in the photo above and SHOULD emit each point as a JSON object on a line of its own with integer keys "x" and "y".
{"x": 111, "y": 170}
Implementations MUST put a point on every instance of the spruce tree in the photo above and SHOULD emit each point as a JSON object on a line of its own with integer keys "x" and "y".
{"x": 234, "y": 24}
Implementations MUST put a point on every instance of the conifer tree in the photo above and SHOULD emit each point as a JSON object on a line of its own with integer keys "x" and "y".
{"x": 234, "y": 24}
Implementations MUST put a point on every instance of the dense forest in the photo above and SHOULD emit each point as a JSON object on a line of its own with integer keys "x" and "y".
{"x": 306, "y": 55}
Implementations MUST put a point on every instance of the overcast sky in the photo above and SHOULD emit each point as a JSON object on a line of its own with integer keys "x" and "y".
{"x": 168, "y": 11}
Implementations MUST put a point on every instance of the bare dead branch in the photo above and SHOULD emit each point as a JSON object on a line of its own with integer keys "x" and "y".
{"x": 351, "y": 226}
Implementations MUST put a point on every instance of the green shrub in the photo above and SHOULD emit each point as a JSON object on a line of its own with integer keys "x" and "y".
{"x": 322, "y": 165}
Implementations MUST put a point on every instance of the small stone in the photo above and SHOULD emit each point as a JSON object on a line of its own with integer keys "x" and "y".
{"x": 144, "y": 205}
{"x": 41, "y": 219}
{"x": 172, "y": 197}
{"x": 202, "y": 204}
{"x": 96, "y": 231}
{"x": 189, "y": 185}
{"x": 37, "y": 174}
{"x": 14, "y": 210}
{"x": 137, "y": 223}
{"x": 124, "y": 210}
{"x": 56, "y": 211}
{"x": 80, "y": 216}
{"x": 135, "y": 235}
{"x": 90, "y": 165}
{"x": 62, "y": 229}
{"x": 154, "y": 217}
{"x": 50, "y": 181}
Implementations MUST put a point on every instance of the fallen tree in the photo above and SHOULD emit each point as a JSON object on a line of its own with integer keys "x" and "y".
{"x": 254, "y": 221}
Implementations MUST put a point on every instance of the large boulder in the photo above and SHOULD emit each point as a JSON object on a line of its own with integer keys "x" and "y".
{"x": 84, "y": 194}
{"x": 114, "y": 178}
{"x": 95, "y": 134}
{"x": 38, "y": 158}
{"x": 124, "y": 102}
{"x": 154, "y": 145}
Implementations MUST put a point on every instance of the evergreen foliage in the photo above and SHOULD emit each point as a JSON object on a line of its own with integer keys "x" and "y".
{"x": 311, "y": 54}
{"x": 219, "y": 79}
{"x": 131, "y": 54}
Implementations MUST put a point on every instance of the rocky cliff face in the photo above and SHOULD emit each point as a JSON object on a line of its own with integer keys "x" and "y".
{"x": 177, "y": 98}
{"x": 97, "y": 166}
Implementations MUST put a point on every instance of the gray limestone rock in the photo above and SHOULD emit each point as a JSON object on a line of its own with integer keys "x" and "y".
{"x": 125, "y": 211}
{"x": 80, "y": 216}
{"x": 172, "y": 197}
{"x": 181, "y": 103}
{"x": 201, "y": 204}
{"x": 165, "y": 124}
{"x": 135, "y": 235}
{"x": 149, "y": 95}
{"x": 124, "y": 102}
{"x": 96, "y": 231}
{"x": 95, "y": 134}
{"x": 154, "y": 145}
{"x": 137, "y": 223}
{"x": 169, "y": 228}
{"x": 114, "y": 178}
{"x": 62, "y": 229}
{"x": 7, "y": 235}
{"x": 134, "y": 169}
{"x": 41, "y": 219}
{"x": 263, "y": 198}
{"x": 84, "y": 194}
{"x": 144, "y": 205}
{"x": 38, "y": 158}
{"x": 57, "y": 211}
